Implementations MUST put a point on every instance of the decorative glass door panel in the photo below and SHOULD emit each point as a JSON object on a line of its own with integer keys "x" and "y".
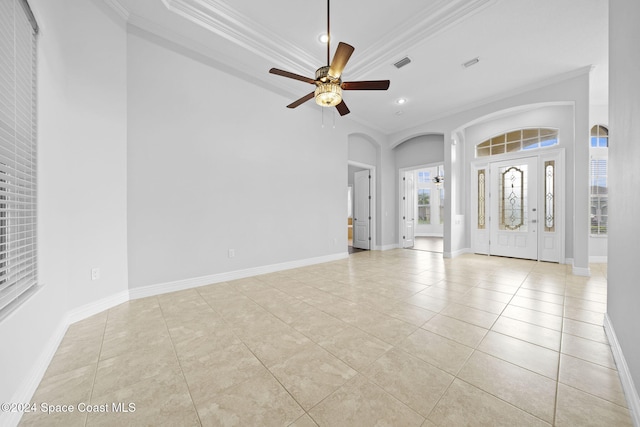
{"x": 513, "y": 207}
{"x": 512, "y": 203}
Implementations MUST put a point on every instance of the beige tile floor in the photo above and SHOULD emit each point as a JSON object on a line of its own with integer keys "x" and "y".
{"x": 394, "y": 338}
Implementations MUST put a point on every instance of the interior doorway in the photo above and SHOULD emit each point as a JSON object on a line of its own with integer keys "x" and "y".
{"x": 361, "y": 207}
{"x": 421, "y": 208}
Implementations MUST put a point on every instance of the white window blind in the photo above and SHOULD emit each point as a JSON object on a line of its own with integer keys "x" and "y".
{"x": 17, "y": 150}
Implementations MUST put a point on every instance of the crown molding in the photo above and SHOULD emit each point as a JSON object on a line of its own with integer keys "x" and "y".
{"x": 221, "y": 19}
{"x": 118, "y": 8}
{"x": 431, "y": 21}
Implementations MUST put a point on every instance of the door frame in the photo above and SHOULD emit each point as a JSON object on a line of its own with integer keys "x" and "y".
{"x": 556, "y": 154}
{"x": 401, "y": 172}
{"x": 373, "y": 203}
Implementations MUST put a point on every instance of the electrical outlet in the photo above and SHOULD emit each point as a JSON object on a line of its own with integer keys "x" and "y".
{"x": 232, "y": 253}
{"x": 95, "y": 273}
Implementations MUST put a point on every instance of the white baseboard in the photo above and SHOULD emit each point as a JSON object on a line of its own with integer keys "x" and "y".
{"x": 29, "y": 386}
{"x": 580, "y": 271}
{"x": 629, "y": 388}
{"x": 179, "y": 285}
{"x": 96, "y": 307}
{"x": 454, "y": 254}
{"x": 598, "y": 259}
{"x": 31, "y": 383}
{"x": 388, "y": 247}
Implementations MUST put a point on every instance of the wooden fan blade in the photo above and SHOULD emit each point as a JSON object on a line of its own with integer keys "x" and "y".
{"x": 292, "y": 75}
{"x": 366, "y": 85}
{"x": 340, "y": 58}
{"x": 342, "y": 108}
{"x": 301, "y": 100}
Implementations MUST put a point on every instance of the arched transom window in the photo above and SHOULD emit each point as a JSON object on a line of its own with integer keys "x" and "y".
{"x": 518, "y": 140}
{"x": 599, "y": 136}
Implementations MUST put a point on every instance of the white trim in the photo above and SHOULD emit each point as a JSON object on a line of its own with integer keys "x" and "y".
{"x": 221, "y": 18}
{"x": 387, "y": 247}
{"x": 30, "y": 384}
{"x": 629, "y": 388}
{"x": 457, "y": 253}
{"x": 118, "y": 8}
{"x": 603, "y": 259}
{"x": 580, "y": 271}
{"x": 179, "y": 285}
{"x": 88, "y": 310}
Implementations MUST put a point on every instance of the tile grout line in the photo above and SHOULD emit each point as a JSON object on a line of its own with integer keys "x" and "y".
{"x": 555, "y": 402}
{"x": 95, "y": 374}
{"x": 173, "y": 346}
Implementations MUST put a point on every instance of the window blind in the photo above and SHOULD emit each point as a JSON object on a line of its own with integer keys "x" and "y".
{"x": 18, "y": 264}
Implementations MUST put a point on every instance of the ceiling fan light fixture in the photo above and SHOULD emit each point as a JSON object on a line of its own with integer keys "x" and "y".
{"x": 328, "y": 94}
{"x": 323, "y": 38}
{"x": 328, "y": 81}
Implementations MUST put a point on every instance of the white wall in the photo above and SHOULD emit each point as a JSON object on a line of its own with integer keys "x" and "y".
{"x": 418, "y": 151}
{"x": 362, "y": 150}
{"x": 82, "y": 182}
{"x": 218, "y": 164}
{"x": 624, "y": 180}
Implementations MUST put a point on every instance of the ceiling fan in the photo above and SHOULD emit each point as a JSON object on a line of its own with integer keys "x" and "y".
{"x": 328, "y": 82}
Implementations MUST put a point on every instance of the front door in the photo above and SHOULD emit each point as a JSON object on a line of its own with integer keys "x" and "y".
{"x": 362, "y": 210}
{"x": 514, "y": 209}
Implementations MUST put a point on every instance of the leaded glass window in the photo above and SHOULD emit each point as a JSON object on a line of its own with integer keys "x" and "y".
{"x": 549, "y": 196}
{"x": 481, "y": 199}
{"x": 512, "y": 202}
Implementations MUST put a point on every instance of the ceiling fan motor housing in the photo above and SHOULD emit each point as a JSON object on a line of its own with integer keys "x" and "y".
{"x": 322, "y": 75}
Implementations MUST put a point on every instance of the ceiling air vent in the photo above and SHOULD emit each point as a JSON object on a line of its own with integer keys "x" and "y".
{"x": 404, "y": 61}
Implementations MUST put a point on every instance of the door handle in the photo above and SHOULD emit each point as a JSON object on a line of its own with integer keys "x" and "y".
{"x": 533, "y": 221}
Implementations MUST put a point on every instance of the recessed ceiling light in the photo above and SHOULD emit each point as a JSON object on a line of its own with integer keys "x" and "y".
{"x": 401, "y": 101}
{"x": 323, "y": 38}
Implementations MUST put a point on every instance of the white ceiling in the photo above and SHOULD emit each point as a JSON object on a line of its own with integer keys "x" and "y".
{"x": 520, "y": 43}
